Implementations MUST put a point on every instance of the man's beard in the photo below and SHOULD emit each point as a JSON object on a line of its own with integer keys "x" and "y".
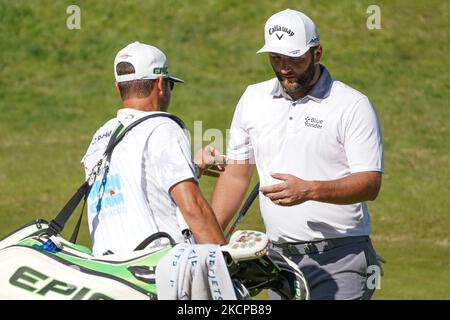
{"x": 301, "y": 83}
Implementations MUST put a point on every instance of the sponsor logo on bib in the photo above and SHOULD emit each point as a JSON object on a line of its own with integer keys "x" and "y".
{"x": 107, "y": 196}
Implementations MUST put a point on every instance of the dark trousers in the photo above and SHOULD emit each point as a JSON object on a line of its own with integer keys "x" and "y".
{"x": 346, "y": 272}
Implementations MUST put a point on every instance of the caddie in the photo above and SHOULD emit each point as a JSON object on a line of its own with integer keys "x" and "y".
{"x": 151, "y": 172}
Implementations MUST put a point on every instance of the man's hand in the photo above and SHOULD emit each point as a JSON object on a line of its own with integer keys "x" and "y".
{"x": 290, "y": 192}
{"x": 354, "y": 188}
{"x": 210, "y": 161}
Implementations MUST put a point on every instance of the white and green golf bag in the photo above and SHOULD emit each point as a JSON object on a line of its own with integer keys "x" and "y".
{"x": 36, "y": 266}
{"x": 32, "y": 267}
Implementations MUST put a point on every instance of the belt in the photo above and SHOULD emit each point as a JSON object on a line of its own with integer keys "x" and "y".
{"x": 305, "y": 248}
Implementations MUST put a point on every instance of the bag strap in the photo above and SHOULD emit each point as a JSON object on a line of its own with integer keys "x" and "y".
{"x": 76, "y": 230}
{"x": 57, "y": 224}
{"x": 113, "y": 142}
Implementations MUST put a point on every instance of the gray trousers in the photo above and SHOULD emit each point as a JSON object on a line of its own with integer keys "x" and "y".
{"x": 340, "y": 273}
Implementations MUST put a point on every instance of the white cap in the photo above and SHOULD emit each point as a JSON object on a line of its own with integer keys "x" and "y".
{"x": 149, "y": 63}
{"x": 290, "y": 33}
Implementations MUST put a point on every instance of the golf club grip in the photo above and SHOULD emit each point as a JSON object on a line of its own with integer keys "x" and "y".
{"x": 252, "y": 196}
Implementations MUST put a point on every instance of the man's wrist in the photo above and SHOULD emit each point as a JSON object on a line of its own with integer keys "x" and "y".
{"x": 313, "y": 190}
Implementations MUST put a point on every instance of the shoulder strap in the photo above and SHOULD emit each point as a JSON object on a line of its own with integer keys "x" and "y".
{"x": 115, "y": 140}
{"x": 57, "y": 224}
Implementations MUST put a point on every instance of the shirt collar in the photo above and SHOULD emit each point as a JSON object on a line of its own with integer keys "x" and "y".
{"x": 318, "y": 92}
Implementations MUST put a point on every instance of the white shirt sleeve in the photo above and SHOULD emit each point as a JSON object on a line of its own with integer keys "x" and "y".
{"x": 362, "y": 138}
{"x": 170, "y": 156}
{"x": 239, "y": 144}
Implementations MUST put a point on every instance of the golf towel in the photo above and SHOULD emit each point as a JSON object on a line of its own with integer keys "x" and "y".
{"x": 194, "y": 272}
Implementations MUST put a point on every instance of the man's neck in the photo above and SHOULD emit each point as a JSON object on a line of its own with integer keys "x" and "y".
{"x": 139, "y": 104}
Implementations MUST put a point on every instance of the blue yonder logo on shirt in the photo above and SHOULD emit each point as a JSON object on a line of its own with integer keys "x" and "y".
{"x": 313, "y": 122}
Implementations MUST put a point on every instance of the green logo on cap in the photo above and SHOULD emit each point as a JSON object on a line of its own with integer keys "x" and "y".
{"x": 162, "y": 70}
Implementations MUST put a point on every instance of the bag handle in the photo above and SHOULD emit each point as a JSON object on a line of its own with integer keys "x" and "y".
{"x": 57, "y": 224}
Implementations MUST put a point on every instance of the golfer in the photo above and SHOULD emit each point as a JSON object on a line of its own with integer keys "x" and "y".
{"x": 317, "y": 146}
{"x": 151, "y": 171}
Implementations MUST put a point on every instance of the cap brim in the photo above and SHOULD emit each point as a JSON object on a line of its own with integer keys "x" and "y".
{"x": 172, "y": 78}
{"x": 291, "y": 52}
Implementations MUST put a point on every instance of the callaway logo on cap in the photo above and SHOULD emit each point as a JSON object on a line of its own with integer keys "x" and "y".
{"x": 290, "y": 33}
{"x": 149, "y": 63}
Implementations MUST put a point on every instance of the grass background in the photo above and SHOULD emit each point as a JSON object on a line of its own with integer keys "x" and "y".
{"x": 56, "y": 88}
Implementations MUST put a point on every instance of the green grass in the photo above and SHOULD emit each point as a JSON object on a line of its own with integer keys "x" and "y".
{"x": 56, "y": 88}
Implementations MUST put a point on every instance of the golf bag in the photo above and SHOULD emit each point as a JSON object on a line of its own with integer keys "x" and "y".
{"x": 34, "y": 265}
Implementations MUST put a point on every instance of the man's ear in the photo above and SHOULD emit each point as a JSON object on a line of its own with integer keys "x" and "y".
{"x": 318, "y": 54}
{"x": 117, "y": 87}
{"x": 161, "y": 85}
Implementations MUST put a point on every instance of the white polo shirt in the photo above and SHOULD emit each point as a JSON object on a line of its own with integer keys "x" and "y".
{"x": 135, "y": 203}
{"x": 327, "y": 135}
